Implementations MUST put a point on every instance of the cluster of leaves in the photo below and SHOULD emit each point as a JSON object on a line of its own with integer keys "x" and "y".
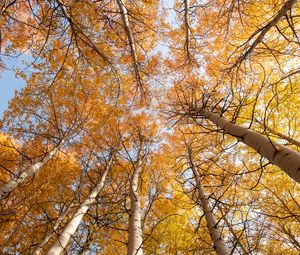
{"x": 125, "y": 78}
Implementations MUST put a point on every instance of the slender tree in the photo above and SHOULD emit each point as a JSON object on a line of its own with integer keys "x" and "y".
{"x": 52, "y": 231}
{"x": 232, "y": 69}
{"x": 30, "y": 171}
{"x": 215, "y": 234}
{"x": 135, "y": 235}
{"x": 281, "y": 156}
{"x": 64, "y": 237}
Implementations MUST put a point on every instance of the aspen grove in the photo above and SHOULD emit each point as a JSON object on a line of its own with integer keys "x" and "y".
{"x": 150, "y": 127}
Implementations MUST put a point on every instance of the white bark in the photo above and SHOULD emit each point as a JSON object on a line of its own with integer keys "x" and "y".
{"x": 135, "y": 235}
{"x": 126, "y": 24}
{"x": 47, "y": 237}
{"x": 63, "y": 239}
{"x": 187, "y": 28}
{"x": 6, "y": 188}
{"x": 219, "y": 244}
{"x": 281, "y": 156}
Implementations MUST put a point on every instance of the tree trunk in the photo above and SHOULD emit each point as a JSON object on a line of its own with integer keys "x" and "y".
{"x": 281, "y": 156}
{"x": 187, "y": 29}
{"x": 8, "y": 187}
{"x": 219, "y": 244}
{"x": 130, "y": 38}
{"x": 135, "y": 237}
{"x": 40, "y": 246}
{"x": 63, "y": 239}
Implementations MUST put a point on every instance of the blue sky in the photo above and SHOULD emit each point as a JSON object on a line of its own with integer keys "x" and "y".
{"x": 8, "y": 85}
{"x": 8, "y": 81}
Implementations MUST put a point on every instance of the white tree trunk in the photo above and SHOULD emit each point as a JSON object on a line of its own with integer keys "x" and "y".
{"x": 187, "y": 28}
{"x": 127, "y": 28}
{"x": 124, "y": 14}
{"x": 40, "y": 246}
{"x": 281, "y": 156}
{"x": 6, "y": 188}
{"x": 63, "y": 239}
{"x": 219, "y": 244}
{"x": 135, "y": 235}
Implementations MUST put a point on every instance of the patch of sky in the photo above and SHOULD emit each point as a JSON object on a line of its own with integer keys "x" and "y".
{"x": 9, "y": 82}
{"x": 168, "y": 6}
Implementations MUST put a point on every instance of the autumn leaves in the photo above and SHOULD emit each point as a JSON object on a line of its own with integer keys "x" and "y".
{"x": 87, "y": 163}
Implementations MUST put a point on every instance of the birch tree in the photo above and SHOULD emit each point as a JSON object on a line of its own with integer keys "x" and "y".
{"x": 64, "y": 237}
{"x": 228, "y": 69}
{"x": 219, "y": 244}
{"x": 30, "y": 171}
{"x": 283, "y": 157}
{"x": 138, "y": 144}
{"x": 135, "y": 235}
{"x": 48, "y": 236}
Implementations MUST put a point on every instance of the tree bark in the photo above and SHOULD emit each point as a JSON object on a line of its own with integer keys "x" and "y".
{"x": 187, "y": 29}
{"x": 40, "y": 246}
{"x": 63, "y": 239}
{"x": 286, "y": 159}
{"x": 219, "y": 244}
{"x": 127, "y": 28}
{"x": 8, "y": 187}
{"x": 135, "y": 235}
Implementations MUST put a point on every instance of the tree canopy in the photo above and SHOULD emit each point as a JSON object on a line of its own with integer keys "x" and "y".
{"x": 151, "y": 127}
